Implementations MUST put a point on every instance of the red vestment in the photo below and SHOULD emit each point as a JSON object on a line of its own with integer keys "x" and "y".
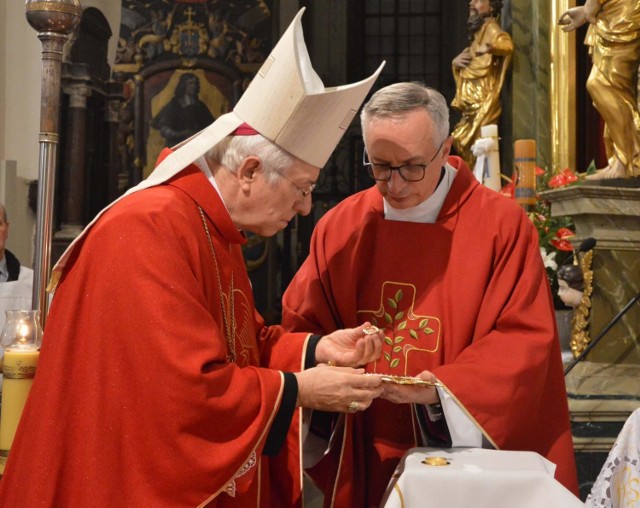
{"x": 134, "y": 403}
{"x": 467, "y": 298}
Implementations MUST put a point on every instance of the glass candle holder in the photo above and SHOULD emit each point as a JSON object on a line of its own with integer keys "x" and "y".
{"x": 20, "y": 342}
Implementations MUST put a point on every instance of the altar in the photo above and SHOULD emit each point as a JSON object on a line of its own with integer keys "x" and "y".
{"x": 456, "y": 478}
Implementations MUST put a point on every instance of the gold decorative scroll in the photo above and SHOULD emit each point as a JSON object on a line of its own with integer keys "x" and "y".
{"x": 563, "y": 90}
{"x": 580, "y": 337}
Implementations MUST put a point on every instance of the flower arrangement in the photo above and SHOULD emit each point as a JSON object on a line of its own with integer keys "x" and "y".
{"x": 553, "y": 232}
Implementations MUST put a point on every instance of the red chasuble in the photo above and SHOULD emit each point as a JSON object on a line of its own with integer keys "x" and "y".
{"x": 151, "y": 389}
{"x": 466, "y": 298}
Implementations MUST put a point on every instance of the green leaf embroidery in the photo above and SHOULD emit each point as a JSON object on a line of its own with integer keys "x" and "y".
{"x": 387, "y": 317}
{"x": 387, "y": 340}
{"x": 397, "y": 349}
{"x": 398, "y": 295}
{"x": 428, "y": 331}
{"x": 387, "y": 356}
{"x": 392, "y": 303}
{"x": 423, "y": 323}
{"x": 402, "y": 325}
{"x": 414, "y": 334}
{"x": 394, "y": 363}
{"x": 398, "y": 339}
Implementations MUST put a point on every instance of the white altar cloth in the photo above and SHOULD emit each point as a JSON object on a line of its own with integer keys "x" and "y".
{"x": 476, "y": 478}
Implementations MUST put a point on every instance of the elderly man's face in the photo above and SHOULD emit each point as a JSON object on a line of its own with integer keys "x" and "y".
{"x": 270, "y": 206}
{"x": 407, "y": 139}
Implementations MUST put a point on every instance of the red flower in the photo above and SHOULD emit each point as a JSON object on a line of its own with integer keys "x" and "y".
{"x": 565, "y": 177}
{"x": 561, "y": 239}
{"x": 569, "y": 176}
{"x": 539, "y": 171}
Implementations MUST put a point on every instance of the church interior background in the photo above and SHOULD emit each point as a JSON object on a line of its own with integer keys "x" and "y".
{"x": 129, "y": 61}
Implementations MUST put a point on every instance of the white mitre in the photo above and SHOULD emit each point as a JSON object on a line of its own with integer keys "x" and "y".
{"x": 286, "y": 102}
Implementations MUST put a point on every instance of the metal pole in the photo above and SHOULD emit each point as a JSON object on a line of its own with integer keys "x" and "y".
{"x": 54, "y": 20}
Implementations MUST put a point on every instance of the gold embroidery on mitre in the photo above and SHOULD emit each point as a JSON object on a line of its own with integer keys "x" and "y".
{"x": 406, "y": 332}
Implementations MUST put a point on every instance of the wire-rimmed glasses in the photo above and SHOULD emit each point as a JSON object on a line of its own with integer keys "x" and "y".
{"x": 303, "y": 192}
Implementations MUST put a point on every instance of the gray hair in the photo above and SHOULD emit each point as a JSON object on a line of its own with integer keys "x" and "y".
{"x": 232, "y": 150}
{"x": 400, "y": 98}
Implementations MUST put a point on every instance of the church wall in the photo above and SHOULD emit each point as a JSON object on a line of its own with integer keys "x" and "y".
{"x": 20, "y": 70}
{"x": 20, "y": 92}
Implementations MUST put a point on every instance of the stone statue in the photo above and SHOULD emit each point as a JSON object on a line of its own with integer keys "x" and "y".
{"x": 614, "y": 41}
{"x": 479, "y": 71}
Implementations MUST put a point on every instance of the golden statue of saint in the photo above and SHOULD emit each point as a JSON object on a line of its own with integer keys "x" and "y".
{"x": 614, "y": 41}
{"x": 479, "y": 71}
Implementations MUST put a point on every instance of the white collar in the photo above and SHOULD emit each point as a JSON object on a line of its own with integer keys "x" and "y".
{"x": 427, "y": 211}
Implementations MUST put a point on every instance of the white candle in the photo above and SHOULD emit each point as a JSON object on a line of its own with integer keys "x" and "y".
{"x": 19, "y": 369}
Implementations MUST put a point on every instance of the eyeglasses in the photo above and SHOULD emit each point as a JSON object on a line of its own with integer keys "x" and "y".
{"x": 303, "y": 192}
{"x": 408, "y": 172}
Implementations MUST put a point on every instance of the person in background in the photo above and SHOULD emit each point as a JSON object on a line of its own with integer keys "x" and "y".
{"x": 479, "y": 72}
{"x": 10, "y": 267}
{"x": 17, "y": 279}
{"x": 158, "y": 384}
{"x": 451, "y": 272}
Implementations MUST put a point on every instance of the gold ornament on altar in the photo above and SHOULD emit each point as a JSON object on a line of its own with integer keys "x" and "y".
{"x": 436, "y": 461}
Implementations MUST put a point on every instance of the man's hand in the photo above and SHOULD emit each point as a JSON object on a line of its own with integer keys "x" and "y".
{"x": 337, "y": 389}
{"x": 350, "y": 347}
{"x": 463, "y": 59}
{"x": 416, "y": 394}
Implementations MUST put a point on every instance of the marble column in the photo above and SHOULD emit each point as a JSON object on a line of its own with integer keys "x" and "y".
{"x": 73, "y": 170}
{"x": 526, "y": 103}
{"x": 117, "y": 180}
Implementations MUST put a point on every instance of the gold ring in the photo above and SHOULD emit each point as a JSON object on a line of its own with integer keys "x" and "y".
{"x": 331, "y": 363}
{"x": 353, "y": 406}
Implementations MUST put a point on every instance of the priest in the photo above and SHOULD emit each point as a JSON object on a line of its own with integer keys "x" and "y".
{"x": 158, "y": 383}
{"x": 451, "y": 272}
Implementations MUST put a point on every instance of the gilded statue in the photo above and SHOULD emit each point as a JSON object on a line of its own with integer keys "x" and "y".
{"x": 613, "y": 38}
{"x": 479, "y": 71}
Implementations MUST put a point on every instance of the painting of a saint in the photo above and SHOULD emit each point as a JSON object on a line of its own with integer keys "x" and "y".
{"x": 186, "y": 105}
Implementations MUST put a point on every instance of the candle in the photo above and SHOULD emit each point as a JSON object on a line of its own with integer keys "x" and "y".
{"x": 21, "y": 337}
{"x": 492, "y": 179}
{"x": 19, "y": 370}
{"x": 525, "y": 170}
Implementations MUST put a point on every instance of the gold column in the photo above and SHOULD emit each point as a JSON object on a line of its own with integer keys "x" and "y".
{"x": 563, "y": 91}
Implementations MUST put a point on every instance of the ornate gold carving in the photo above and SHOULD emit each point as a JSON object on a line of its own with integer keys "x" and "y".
{"x": 580, "y": 337}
